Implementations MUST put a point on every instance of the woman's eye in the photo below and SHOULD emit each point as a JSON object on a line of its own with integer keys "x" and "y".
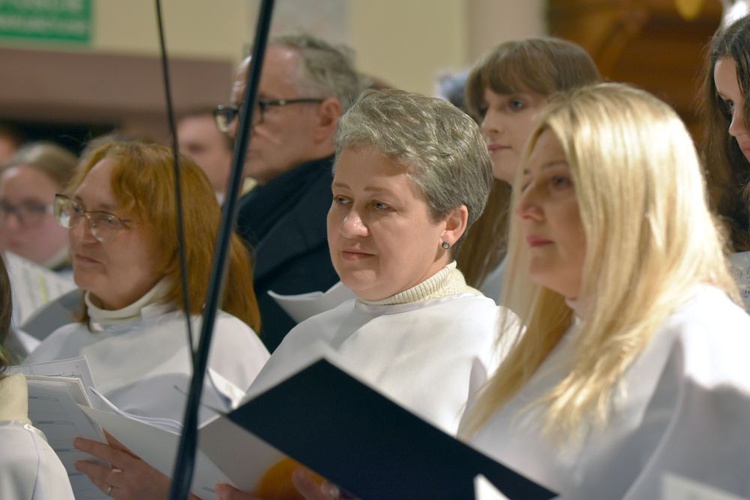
{"x": 340, "y": 200}
{"x": 379, "y": 205}
{"x": 516, "y": 104}
{"x": 560, "y": 181}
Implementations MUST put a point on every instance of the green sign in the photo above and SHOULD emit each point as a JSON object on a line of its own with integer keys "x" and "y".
{"x": 46, "y": 20}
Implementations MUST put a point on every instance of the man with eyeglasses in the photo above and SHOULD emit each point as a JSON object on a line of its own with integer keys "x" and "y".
{"x": 305, "y": 85}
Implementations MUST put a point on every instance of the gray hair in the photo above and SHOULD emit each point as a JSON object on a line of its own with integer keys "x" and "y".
{"x": 326, "y": 70}
{"x": 439, "y": 146}
{"x": 52, "y": 160}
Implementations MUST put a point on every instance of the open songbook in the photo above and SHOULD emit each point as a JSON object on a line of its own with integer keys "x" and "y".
{"x": 56, "y": 390}
{"x": 324, "y": 417}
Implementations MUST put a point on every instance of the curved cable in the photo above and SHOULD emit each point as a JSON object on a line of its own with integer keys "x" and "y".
{"x": 177, "y": 181}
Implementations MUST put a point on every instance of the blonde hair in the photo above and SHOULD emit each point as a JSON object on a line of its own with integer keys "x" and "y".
{"x": 649, "y": 238}
{"x": 143, "y": 183}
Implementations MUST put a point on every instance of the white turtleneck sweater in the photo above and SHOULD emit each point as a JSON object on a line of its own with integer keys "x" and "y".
{"x": 140, "y": 358}
{"x": 29, "y": 469}
{"x": 423, "y": 347}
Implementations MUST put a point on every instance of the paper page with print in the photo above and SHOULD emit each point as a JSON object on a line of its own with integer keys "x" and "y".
{"x": 53, "y": 409}
{"x": 303, "y": 306}
{"x": 158, "y": 447}
{"x": 72, "y": 367}
{"x": 34, "y": 286}
{"x": 227, "y": 453}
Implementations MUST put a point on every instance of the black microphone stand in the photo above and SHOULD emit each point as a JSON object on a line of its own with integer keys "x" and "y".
{"x": 182, "y": 477}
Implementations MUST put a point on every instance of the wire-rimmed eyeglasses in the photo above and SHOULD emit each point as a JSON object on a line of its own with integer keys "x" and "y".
{"x": 225, "y": 114}
{"x": 28, "y": 213}
{"x": 104, "y": 225}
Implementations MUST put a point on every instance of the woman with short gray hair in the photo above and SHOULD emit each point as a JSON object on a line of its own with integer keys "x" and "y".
{"x": 411, "y": 174}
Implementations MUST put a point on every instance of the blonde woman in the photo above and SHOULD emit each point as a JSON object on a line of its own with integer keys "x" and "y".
{"x": 634, "y": 362}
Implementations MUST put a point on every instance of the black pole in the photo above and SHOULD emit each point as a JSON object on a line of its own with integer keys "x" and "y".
{"x": 182, "y": 477}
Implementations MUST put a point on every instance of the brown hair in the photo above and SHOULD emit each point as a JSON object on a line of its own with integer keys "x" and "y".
{"x": 727, "y": 169}
{"x": 142, "y": 182}
{"x": 544, "y": 65}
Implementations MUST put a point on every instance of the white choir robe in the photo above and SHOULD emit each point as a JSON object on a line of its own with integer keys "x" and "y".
{"x": 143, "y": 366}
{"x": 29, "y": 468}
{"x": 683, "y": 407}
{"x": 424, "y": 355}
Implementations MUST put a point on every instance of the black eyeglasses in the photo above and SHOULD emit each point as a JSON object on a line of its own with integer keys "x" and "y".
{"x": 104, "y": 225}
{"x": 226, "y": 114}
{"x": 28, "y": 213}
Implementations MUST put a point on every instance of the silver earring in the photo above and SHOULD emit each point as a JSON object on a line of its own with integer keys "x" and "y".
{"x": 446, "y": 245}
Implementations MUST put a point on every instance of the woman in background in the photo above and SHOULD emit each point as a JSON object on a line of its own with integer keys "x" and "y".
{"x": 121, "y": 217}
{"x": 727, "y": 141}
{"x": 505, "y": 91}
{"x": 123, "y": 234}
{"x": 29, "y": 468}
{"x": 28, "y": 184}
{"x": 633, "y": 364}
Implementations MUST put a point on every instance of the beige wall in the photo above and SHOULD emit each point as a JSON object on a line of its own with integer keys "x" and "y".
{"x": 194, "y": 28}
{"x": 408, "y": 43}
{"x": 494, "y": 21}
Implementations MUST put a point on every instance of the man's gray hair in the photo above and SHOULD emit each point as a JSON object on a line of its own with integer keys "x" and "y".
{"x": 326, "y": 70}
{"x": 440, "y": 147}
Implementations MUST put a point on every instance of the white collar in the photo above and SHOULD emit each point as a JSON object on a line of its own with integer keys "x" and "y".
{"x": 150, "y": 304}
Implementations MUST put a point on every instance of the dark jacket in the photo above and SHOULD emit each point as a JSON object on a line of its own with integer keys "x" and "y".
{"x": 284, "y": 222}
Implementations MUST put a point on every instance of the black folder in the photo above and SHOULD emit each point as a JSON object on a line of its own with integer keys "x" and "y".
{"x": 370, "y": 446}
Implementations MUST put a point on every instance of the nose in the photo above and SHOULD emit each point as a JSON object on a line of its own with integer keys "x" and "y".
{"x": 490, "y": 124}
{"x": 737, "y": 127}
{"x": 353, "y": 226}
{"x": 528, "y": 206}
{"x": 82, "y": 232}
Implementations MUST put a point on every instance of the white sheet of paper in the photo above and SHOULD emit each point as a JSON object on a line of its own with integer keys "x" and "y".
{"x": 305, "y": 305}
{"x": 485, "y": 490}
{"x": 226, "y": 452}
{"x": 53, "y": 409}
{"x": 679, "y": 488}
{"x": 34, "y": 286}
{"x": 158, "y": 448}
{"x": 71, "y": 367}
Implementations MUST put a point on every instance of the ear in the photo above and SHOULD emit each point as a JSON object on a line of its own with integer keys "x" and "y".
{"x": 456, "y": 223}
{"x": 329, "y": 112}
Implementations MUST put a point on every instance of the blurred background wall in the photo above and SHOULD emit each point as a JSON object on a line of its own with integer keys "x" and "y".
{"x": 76, "y": 68}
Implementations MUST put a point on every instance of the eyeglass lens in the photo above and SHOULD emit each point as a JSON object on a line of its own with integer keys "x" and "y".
{"x": 69, "y": 214}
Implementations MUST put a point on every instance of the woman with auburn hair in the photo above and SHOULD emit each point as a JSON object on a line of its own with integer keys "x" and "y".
{"x": 123, "y": 235}
{"x": 727, "y": 140}
{"x": 633, "y": 364}
{"x": 505, "y": 91}
{"x": 121, "y": 217}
